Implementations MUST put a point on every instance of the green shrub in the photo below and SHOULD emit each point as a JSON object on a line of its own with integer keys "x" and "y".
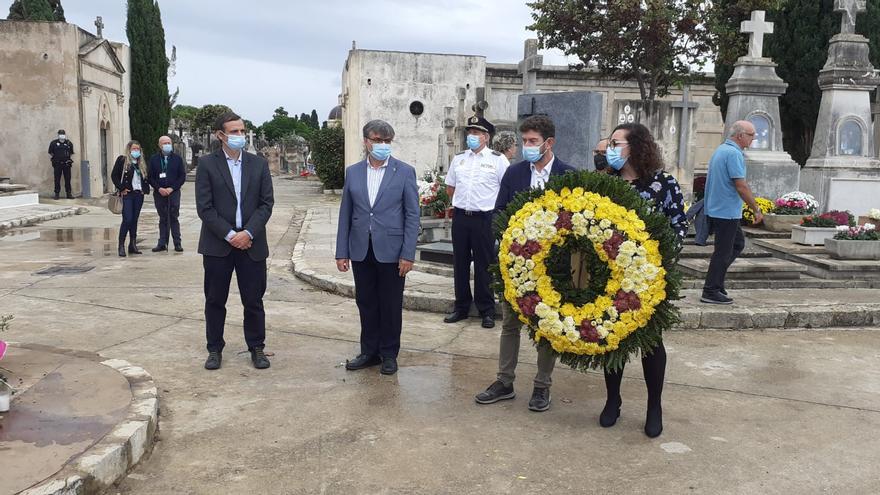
{"x": 328, "y": 155}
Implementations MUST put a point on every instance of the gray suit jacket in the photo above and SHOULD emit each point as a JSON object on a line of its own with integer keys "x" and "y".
{"x": 216, "y": 203}
{"x": 392, "y": 221}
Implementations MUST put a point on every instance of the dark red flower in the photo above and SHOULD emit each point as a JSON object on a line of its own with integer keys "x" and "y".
{"x": 528, "y": 303}
{"x": 626, "y": 301}
{"x": 589, "y": 332}
{"x": 612, "y": 245}
{"x": 564, "y": 220}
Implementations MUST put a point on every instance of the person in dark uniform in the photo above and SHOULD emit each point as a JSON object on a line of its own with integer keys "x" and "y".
{"x": 472, "y": 182}
{"x": 166, "y": 175}
{"x": 61, "y": 151}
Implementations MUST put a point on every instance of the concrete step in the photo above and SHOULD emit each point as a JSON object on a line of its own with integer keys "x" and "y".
{"x": 436, "y": 252}
{"x": 12, "y": 188}
{"x": 692, "y": 251}
{"x": 745, "y": 268}
{"x": 757, "y": 233}
{"x": 819, "y": 264}
{"x": 442, "y": 269}
{"x": 20, "y": 197}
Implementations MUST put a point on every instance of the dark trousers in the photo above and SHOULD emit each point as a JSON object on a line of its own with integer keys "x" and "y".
{"x": 131, "y": 212}
{"x": 379, "y": 295}
{"x": 472, "y": 241}
{"x": 729, "y": 243}
{"x": 251, "y": 277}
{"x": 58, "y": 171}
{"x": 654, "y": 371}
{"x": 168, "y": 208}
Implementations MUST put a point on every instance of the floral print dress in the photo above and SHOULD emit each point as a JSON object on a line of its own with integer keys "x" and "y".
{"x": 666, "y": 194}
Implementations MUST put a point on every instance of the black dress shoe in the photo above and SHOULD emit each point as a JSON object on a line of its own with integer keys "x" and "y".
{"x": 362, "y": 361}
{"x": 496, "y": 392}
{"x": 610, "y": 413}
{"x": 160, "y": 248}
{"x": 132, "y": 249}
{"x": 654, "y": 422}
{"x": 455, "y": 316}
{"x": 121, "y": 250}
{"x": 57, "y": 196}
{"x": 178, "y": 248}
{"x": 69, "y": 196}
{"x": 214, "y": 359}
{"x": 540, "y": 400}
{"x": 488, "y": 322}
{"x": 258, "y": 357}
{"x": 389, "y": 366}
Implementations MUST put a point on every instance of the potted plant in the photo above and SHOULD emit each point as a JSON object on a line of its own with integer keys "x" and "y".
{"x": 873, "y": 216}
{"x": 855, "y": 243}
{"x": 788, "y": 211}
{"x": 6, "y": 390}
{"x": 814, "y": 229}
{"x": 748, "y": 216}
{"x": 434, "y": 200}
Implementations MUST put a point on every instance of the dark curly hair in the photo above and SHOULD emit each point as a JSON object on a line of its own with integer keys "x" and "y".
{"x": 644, "y": 154}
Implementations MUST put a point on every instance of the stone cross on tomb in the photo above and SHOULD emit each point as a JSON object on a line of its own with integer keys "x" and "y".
{"x": 756, "y": 27}
{"x": 850, "y": 9}
{"x": 684, "y": 124}
{"x": 530, "y": 65}
{"x": 99, "y": 23}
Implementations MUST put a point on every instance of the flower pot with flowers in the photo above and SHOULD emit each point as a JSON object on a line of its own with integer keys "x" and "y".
{"x": 748, "y": 216}
{"x": 873, "y": 216}
{"x": 815, "y": 229}
{"x": 855, "y": 243}
{"x": 6, "y": 390}
{"x": 788, "y": 211}
{"x": 433, "y": 198}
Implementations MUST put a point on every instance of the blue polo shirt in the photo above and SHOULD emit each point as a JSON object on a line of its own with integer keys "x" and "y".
{"x": 726, "y": 164}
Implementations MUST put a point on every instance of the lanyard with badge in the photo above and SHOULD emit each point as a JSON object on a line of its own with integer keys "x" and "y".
{"x": 164, "y": 171}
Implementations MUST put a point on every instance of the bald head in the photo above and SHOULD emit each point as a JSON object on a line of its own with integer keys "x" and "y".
{"x": 742, "y": 132}
{"x": 165, "y": 145}
{"x": 164, "y": 140}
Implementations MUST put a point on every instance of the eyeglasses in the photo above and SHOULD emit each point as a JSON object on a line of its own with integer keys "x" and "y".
{"x": 380, "y": 140}
{"x": 749, "y": 134}
{"x": 613, "y": 143}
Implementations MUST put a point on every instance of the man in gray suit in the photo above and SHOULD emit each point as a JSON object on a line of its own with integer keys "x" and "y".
{"x": 378, "y": 227}
{"x": 234, "y": 199}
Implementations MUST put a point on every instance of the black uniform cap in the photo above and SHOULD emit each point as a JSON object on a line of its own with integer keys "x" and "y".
{"x": 480, "y": 124}
{"x": 61, "y": 131}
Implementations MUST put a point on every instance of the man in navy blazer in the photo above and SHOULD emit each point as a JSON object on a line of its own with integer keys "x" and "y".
{"x": 166, "y": 174}
{"x": 234, "y": 200}
{"x": 538, "y": 137}
{"x": 378, "y": 229}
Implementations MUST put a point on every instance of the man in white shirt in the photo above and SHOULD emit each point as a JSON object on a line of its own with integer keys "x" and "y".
{"x": 472, "y": 182}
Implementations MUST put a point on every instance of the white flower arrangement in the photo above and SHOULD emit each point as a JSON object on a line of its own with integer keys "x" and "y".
{"x": 874, "y": 214}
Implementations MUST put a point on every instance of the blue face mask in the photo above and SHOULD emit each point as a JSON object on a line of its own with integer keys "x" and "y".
{"x": 135, "y": 154}
{"x": 236, "y": 142}
{"x": 532, "y": 154}
{"x": 381, "y": 151}
{"x": 615, "y": 161}
{"x": 473, "y": 142}
{"x": 166, "y": 148}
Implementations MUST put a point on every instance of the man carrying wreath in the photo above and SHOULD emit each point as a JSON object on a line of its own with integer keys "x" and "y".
{"x": 538, "y": 137}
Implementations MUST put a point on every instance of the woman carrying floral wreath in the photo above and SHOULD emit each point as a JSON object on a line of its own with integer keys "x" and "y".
{"x": 634, "y": 156}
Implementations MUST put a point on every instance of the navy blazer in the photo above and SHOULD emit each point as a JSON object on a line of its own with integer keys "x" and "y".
{"x": 518, "y": 178}
{"x": 175, "y": 175}
{"x": 216, "y": 203}
{"x": 392, "y": 222}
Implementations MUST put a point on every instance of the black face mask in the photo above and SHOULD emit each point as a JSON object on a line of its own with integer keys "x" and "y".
{"x": 601, "y": 161}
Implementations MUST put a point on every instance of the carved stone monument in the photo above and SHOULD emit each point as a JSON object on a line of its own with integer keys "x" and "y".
{"x": 844, "y": 145}
{"x": 530, "y": 65}
{"x": 754, "y": 91}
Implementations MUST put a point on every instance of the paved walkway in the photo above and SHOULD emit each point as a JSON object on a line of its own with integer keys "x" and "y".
{"x": 745, "y": 412}
{"x": 754, "y": 308}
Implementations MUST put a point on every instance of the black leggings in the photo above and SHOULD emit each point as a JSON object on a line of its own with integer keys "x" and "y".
{"x": 654, "y": 366}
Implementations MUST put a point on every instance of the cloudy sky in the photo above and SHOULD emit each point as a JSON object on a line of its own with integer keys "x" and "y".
{"x": 258, "y": 55}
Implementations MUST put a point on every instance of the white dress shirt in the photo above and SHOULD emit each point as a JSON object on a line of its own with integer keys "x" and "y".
{"x": 540, "y": 178}
{"x": 374, "y": 179}
{"x": 476, "y": 178}
{"x": 234, "y": 165}
{"x": 136, "y": 183}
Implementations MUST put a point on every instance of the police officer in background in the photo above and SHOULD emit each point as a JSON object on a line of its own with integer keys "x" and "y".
{"x": 61, "y": 151}
{"x": 472, "y": 182}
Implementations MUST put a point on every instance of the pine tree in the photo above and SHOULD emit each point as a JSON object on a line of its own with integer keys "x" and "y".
{"x": 150, "y": 110}
{"x": 314, "y": 122}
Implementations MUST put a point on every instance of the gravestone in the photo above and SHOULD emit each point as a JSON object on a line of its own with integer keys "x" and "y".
{"x": 530, "y": 65}
{"x": 844, "y": 145}
{"x": 754, "y": 91}
{"x": 578, "y": 119}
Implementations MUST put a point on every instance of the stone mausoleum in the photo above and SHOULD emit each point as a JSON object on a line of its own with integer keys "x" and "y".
{"x": 55, "y": 75}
